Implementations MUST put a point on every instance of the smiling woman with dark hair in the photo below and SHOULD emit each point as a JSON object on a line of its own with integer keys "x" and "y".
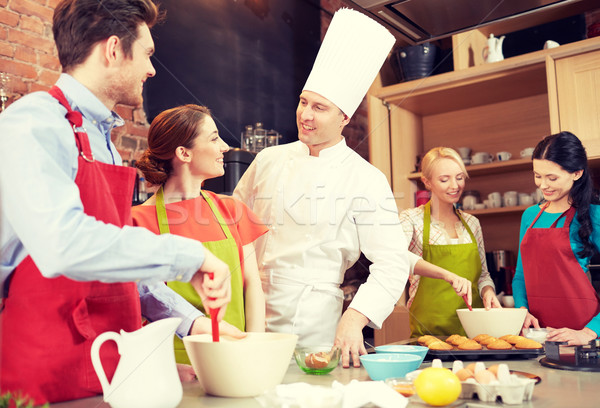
{"x": 557, "y": 240}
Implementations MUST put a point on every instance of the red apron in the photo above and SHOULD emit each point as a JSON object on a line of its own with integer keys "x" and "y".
{"x": 48, "y": 325}
{"x": 558, "y": 291}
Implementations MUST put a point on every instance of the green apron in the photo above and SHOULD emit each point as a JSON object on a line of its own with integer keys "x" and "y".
{"x": 227, "y": 251}
{"x": 433, "y": 310}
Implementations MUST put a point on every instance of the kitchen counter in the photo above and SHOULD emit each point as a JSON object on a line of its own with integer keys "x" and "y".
{"x": 558, "y": 388}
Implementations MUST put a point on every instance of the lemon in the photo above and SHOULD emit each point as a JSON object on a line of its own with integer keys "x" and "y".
{"x": 438, "y": 386}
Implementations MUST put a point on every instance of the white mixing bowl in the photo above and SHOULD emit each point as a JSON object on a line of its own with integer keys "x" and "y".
{"x": 495, "y": 322}
{"x": 240, "y": 368}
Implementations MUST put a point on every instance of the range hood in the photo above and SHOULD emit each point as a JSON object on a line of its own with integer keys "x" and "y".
{"x": 418, "y": 21}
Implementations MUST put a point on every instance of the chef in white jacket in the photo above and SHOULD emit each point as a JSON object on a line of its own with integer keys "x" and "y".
{"x": 324, "y": 204}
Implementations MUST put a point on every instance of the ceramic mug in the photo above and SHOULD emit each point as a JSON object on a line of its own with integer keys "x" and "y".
{"x": 464, "y": 152}
{"x": 508, "y": 301}
{"x": 511, "y": 199}
{"x": 495, "y": 199}
{"x": 469, "y": 202}
{"x": 502, "y": 156}
{"x": 527, "y": 152}
{"x": 481, "y": 157}
{"x": 525, "y": 199}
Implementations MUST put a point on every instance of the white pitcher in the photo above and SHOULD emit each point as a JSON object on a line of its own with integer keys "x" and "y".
{"x": 146, "y": 376}
{"x": 492, "y": 52}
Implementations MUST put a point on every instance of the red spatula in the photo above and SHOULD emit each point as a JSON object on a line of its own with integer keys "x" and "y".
{"x": 213, "y": 317}
{"x": 464, "y": 298}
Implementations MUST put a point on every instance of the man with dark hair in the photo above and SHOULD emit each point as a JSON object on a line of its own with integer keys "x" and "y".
{"x": 69, "y": 257}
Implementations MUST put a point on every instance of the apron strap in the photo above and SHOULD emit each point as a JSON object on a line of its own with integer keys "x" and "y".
{"x": 217, "y": 214}
{"x": 569, "y": 214}
{"x": 542, "y": 208}
{"x": 464, "y": 223}
{"x": 568, "y": 218}
{"x": 161, "y": 212}
{"x": 426, "y": 223}
{"x": 76, "y": 120}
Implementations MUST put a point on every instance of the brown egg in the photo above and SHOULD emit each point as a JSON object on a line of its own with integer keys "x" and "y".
{"x": 317, "y": 360}
{"x": 464, "y": 373}
{"x": 484, "y": 377}
{"x": 494, "y": 369}
{"x": 471, "y": 367}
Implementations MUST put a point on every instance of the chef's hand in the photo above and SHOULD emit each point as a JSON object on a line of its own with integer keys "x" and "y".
{"x": 530, "y": 321}
{"x": 573, "y": 337}
{"x": 460, "y": 285}
{"x": 349, "y": 338}
{"x": 488, "y": 296}
{"x": 216, "y": 292}
{"x": 203, "y": 325}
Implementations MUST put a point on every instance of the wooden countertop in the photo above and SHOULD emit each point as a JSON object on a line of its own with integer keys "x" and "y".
{"x": 558, "y": 388}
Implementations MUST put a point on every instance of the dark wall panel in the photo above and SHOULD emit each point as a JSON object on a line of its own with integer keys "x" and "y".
{"x": 246, "y": 60}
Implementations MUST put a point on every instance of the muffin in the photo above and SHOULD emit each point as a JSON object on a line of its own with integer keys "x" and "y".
{"x": 499, "y": 344}
{"x": 469, "y": 345}
{"x": 440, "y": 345}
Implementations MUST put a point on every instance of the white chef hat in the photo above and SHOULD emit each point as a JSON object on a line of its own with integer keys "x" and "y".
{"x": 353, "y": 50}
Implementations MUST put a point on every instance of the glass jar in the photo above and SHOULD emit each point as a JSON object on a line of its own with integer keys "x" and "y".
{"x": 260, "y": 137}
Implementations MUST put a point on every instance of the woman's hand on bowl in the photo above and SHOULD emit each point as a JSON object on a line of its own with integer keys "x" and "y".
{"x": 530, "y": 321}
{"x": 488, "y": 296}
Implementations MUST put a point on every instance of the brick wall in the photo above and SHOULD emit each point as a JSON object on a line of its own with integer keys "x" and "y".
{"x": 29, "y": 57}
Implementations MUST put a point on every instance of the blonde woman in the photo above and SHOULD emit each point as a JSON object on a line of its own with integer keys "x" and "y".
{"x": 450, "y": 239}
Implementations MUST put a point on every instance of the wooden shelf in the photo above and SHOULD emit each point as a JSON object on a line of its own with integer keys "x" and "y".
{"x": 504, "y": 167}
{"x": 489, "y": 168}
{"x": 499, "y": 210}
{"x": 513, "y": 78}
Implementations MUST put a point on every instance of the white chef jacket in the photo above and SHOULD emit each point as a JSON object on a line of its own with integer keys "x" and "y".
{"x": 322, "y": 212}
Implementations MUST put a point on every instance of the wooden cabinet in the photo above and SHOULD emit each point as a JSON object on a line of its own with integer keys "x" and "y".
{"x": 577, "y": 96}
{"x": 503, "y": 106}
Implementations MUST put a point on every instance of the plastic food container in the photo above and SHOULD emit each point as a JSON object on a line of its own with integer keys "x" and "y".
{"x": 538, "y": 335}
{"x": 518, "y": 390}
{"x": 513, "y": 390}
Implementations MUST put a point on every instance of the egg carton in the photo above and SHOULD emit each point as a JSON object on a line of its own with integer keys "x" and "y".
{"x": 519, "y": 389}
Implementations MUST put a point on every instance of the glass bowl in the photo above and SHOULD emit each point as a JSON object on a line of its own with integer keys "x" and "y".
{"x": 538, "y": 335}
{"x": 317, "y": 359}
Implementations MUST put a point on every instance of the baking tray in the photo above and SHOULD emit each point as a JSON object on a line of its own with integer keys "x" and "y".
{"x": 483, "y": 354}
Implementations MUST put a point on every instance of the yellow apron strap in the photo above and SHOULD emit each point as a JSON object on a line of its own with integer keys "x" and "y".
{"x": 218, "y": 215}
{"x": 161, "y": 212}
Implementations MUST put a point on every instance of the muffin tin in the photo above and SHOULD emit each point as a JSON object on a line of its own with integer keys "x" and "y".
{"x": 484, "y": 353}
